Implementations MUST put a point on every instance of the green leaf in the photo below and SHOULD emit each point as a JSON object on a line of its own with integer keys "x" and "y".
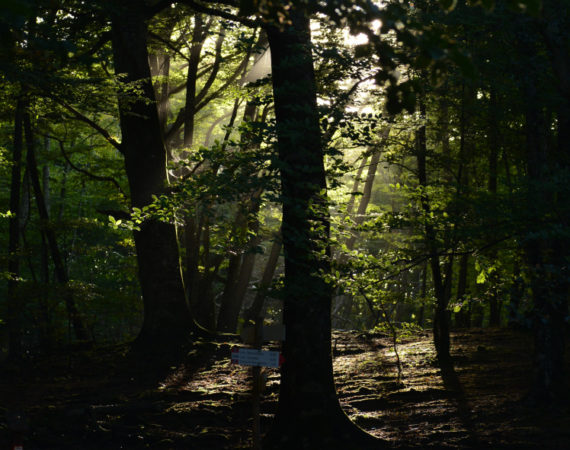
{"x": 481, "y": 277}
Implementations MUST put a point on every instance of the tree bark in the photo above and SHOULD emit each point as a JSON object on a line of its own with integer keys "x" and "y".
{"x": 166, "y": 315}
{"x": 14, "y": 310}
{"x": 309, "y": 414}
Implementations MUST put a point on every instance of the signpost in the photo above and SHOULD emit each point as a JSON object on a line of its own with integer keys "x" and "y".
{"x": 257, "y": 358}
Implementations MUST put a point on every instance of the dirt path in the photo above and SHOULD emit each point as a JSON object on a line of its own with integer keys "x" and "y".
{"x": 204, "y": 403}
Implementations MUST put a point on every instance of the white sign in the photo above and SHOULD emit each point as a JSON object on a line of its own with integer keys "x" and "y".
{"x": 254, "y": 357}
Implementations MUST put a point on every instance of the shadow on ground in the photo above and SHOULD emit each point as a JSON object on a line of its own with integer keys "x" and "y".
{"x": 100, "y": 399}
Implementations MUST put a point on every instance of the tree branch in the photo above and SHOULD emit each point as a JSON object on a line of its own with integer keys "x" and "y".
{"x": 105, "y": 37}
{"x": 215, "y": 68}
{"x": 79, "y": 116}
{"x": 168, "y": 44}
{"x": 198, "y": 7}
{"x": 83, "y": 171}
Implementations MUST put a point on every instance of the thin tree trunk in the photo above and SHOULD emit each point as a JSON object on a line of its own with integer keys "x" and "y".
{"x": 256, "y": 307}
{"x": 14, "y": 309}
{"x": 198, "y": 37}
{"x": 59, "y": 266}
{"x": 241, "y": 264}
{"x": 494, "y": 301}
{"x": 441, "y": 281}
{"x": 239, "y": 273}
{"x": 423, "y": 295}
{"x": 462, "y": 316}
{"x": 202, "y": 300}
{"x": 366, "y": 196}
{"x": 356, "y": 186}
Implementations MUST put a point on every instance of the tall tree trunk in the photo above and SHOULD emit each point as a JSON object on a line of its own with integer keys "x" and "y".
{"x": 239, "y": 273}
{"x": 241, "y": 264}
{"x": 198, "y": 37}
{"x": 366, "y": 195}
{"x": 344, "y": 302}
{"x": 309, "y": 414}
{"x": 495, "y": 305}
{"x": 59, "y": 266}
{"x": 160, "y": 67}
{"x": 546, "y": 253}
{"x": 256, "y": 307}
{"x": 166, "y": 315}
{"x": 14, "y": 308}
{"x": 462, "y": 319}
{"x": 423, "y": 295}
{"x": 549, "y": 291}
{"x": 197, "y": 236}
{"x": 45, "y": 328}
{"x": 441, "y": 281}
{"x": 355, "y": 186}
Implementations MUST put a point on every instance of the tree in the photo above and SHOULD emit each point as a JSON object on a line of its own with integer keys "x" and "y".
{"x": 13, "y": 308}
{"x": 166, "y": 315}
{"x": 309, "y": 414}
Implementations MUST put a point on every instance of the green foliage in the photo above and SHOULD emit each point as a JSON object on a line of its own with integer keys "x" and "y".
{"x": 435, "y": 65}
{"x": 404, "y": 330}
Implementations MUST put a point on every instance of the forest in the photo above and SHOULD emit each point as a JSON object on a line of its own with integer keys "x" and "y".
{"x": 388, "y": 180}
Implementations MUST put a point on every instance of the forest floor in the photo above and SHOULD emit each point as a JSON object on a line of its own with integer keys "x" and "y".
{"x": 99, "y": 399}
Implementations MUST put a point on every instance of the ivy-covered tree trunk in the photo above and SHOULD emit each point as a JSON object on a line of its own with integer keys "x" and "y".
{"x": 166, "y": 315}
{"x": 309, "y": 414}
